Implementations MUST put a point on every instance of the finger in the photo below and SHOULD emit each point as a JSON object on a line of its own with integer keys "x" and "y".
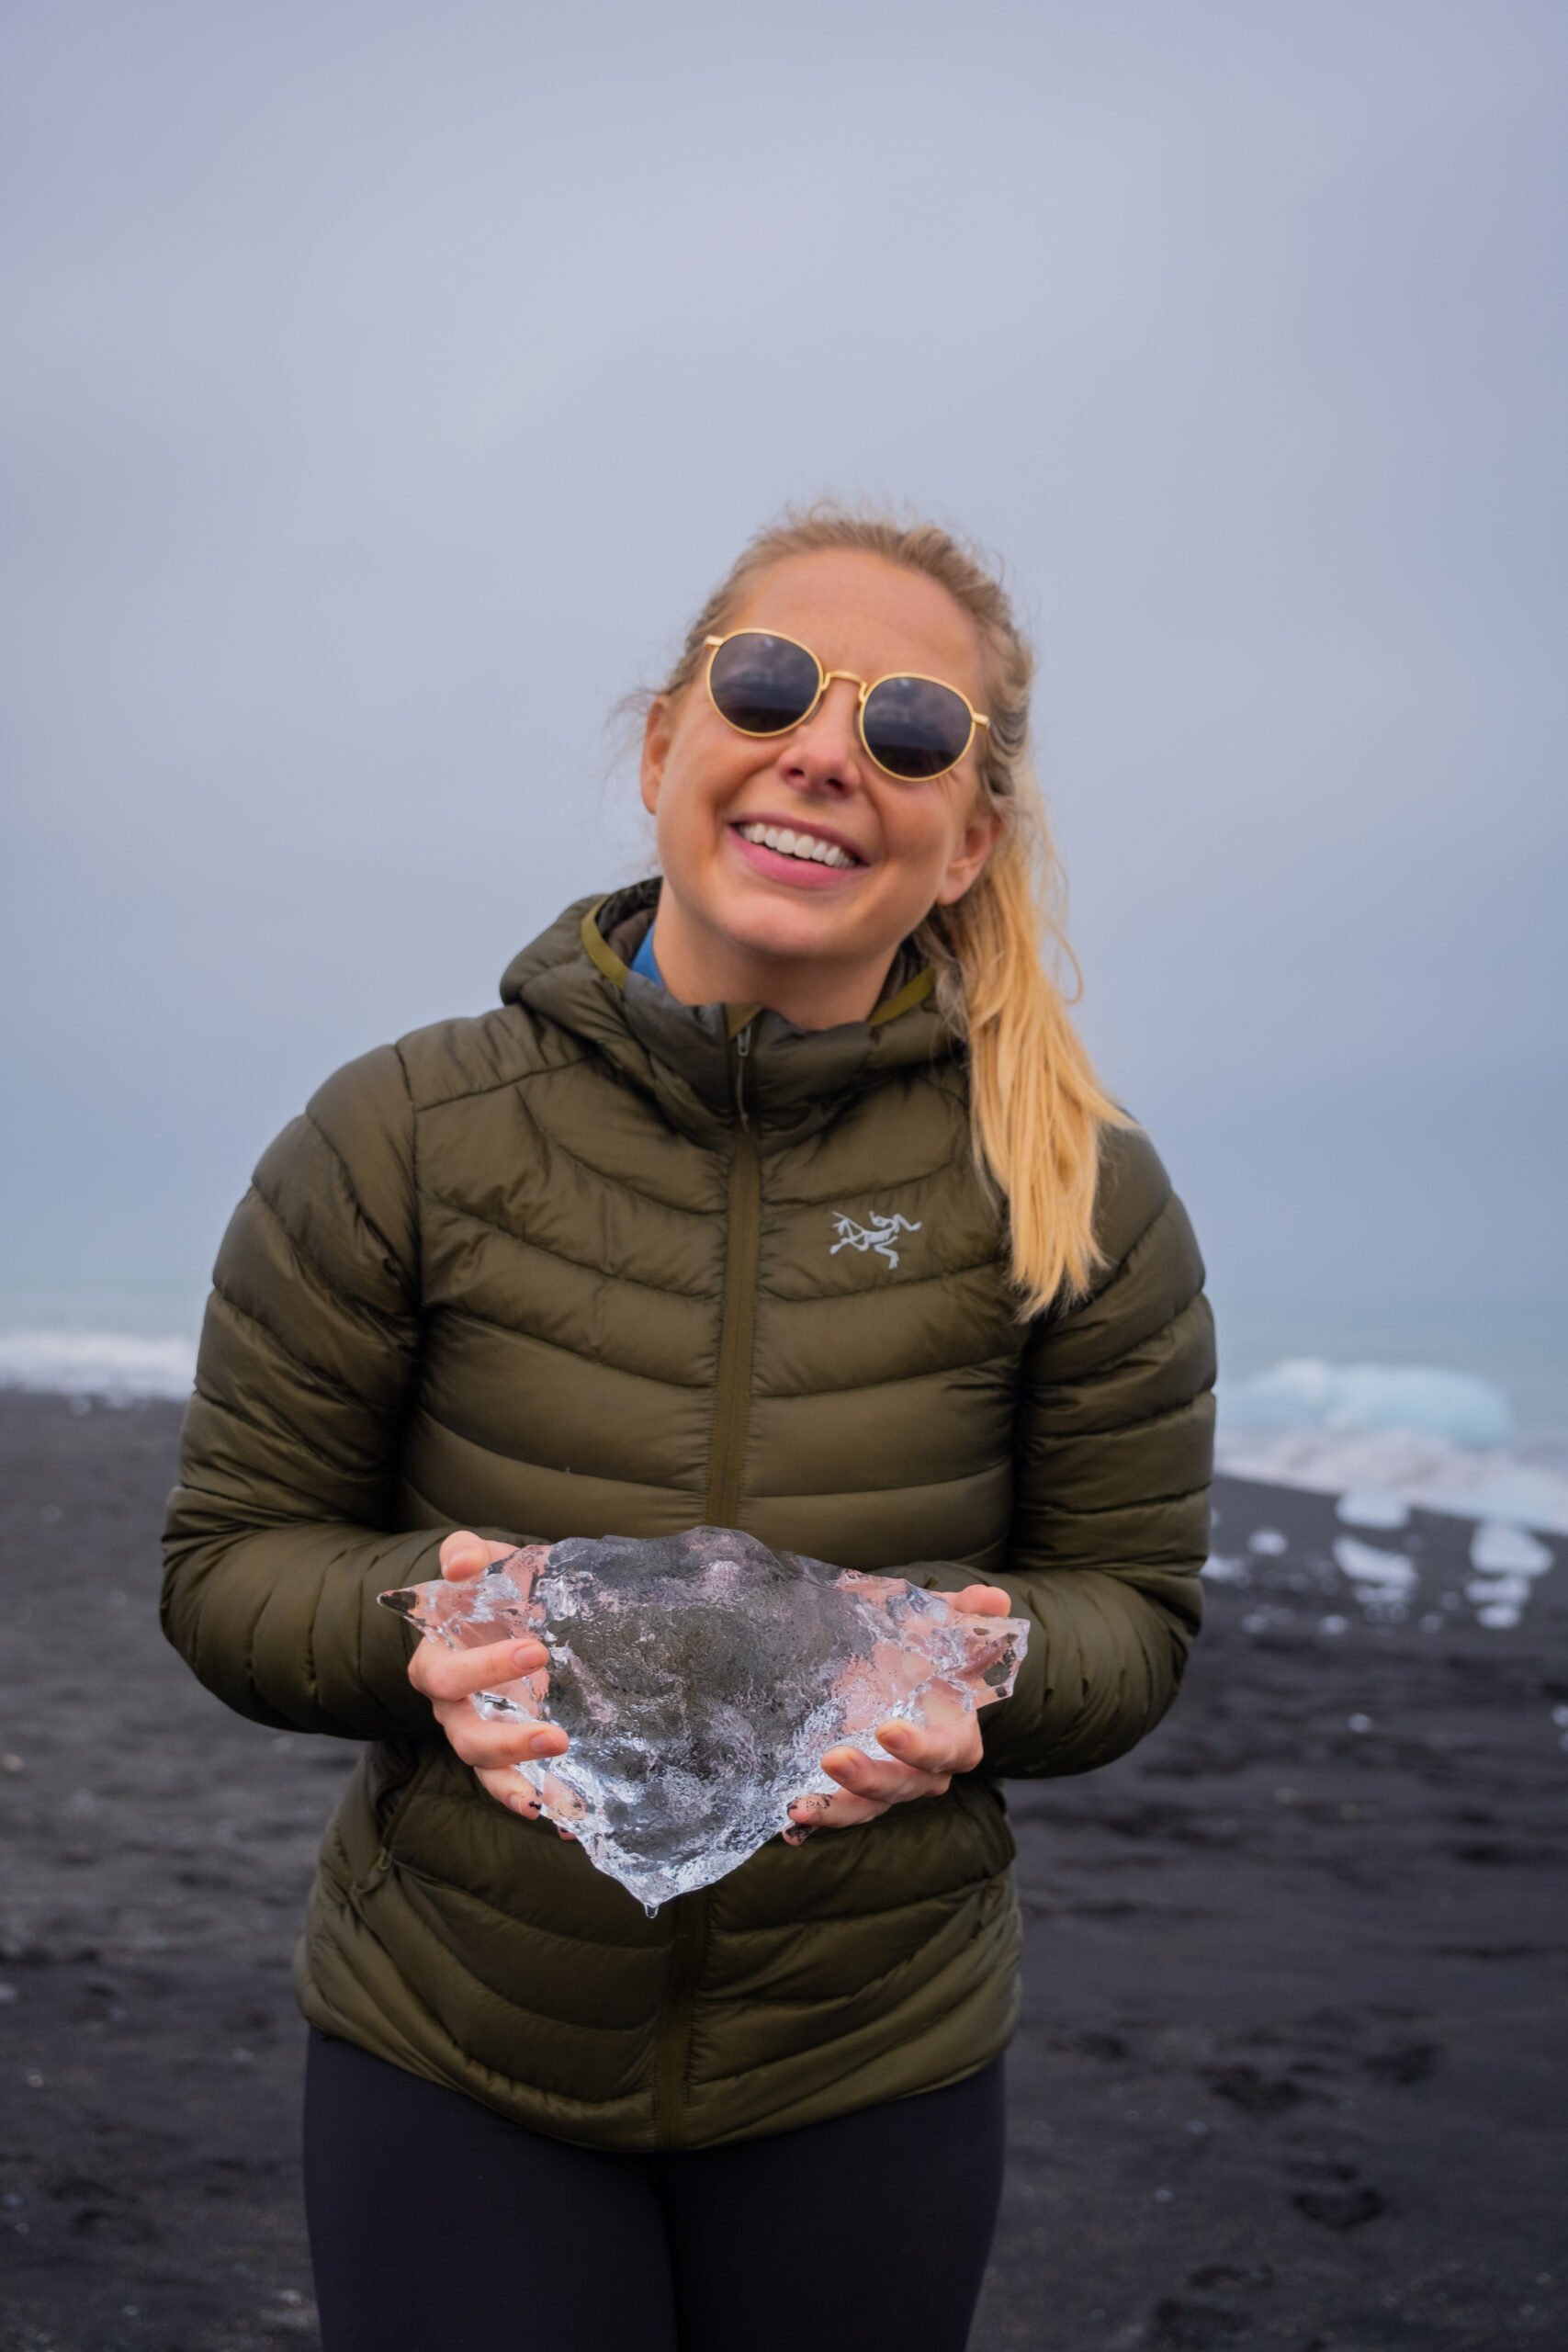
{"x": 883, "y": 1783}
{"x": 840, "y": 1811}
{"x": 487, "y": 1746}
{"x": 466, "y": 1554}
{"x": 950, "y": 1744}
{"x": 510, "y": 1788}
{"x": 564, "y": 1804}
{"x": 446, "y": 1674}
{"x": 982, "y": 1601}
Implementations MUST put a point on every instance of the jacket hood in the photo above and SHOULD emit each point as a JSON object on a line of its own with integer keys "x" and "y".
{"x": 577, "y": 975}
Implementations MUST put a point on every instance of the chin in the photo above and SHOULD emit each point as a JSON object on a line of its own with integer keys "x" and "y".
{"x": 786, "y": 935}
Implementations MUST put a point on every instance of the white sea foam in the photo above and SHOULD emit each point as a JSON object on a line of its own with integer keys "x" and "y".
{"x": 1389, "y": 1437}
{"x": 111, "y": 1364}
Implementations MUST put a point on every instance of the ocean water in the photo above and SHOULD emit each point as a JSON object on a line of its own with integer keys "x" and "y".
{"x": 1456, "y": 1409}
{"x": 1519, "y": 1346}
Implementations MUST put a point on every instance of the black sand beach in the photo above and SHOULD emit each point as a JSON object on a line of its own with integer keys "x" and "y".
{"x": 1291, "y": 2067}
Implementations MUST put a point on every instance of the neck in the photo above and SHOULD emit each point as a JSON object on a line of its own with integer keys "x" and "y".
{"x": 699, "y": 967}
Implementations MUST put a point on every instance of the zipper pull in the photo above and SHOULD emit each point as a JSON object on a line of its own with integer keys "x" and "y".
{"x": 743, "y": 1048}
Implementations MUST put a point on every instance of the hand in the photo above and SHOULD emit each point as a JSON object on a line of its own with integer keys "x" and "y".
{"x": 449, "y": 1678}
{"x": 928, "y": 1758}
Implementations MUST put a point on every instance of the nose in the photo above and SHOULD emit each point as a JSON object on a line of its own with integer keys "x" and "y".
{"x": 824, "y": 752}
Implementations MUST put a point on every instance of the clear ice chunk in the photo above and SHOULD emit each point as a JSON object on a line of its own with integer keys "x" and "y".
{"x": 700, "y": 1678}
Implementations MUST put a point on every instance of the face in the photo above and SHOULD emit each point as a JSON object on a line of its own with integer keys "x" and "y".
{"x": 736, "y": 906}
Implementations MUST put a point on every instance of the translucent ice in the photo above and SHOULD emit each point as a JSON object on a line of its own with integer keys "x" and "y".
{"x": 700, "y": 1678}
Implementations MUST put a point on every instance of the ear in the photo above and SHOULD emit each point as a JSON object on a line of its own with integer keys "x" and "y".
{"x": 656, "y": 736}
{"x": 981, "y": 833}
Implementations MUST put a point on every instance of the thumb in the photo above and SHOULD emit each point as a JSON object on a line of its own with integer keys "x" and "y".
{"x": 983, "y": 1601}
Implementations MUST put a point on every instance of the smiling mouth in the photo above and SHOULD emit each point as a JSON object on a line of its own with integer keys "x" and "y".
{"x": 785, "y": 841}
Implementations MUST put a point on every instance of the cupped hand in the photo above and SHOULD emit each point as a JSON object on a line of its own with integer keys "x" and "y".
{"x": 928, "y": 1756}
{"x": 449, "y": 1678}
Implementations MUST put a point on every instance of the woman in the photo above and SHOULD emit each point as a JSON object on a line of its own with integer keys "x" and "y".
{"x": 778, "y": 1193}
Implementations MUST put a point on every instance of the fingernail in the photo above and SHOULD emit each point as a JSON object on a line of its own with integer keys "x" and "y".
{"x": 526, "y": 1655}
{"x": 547, "y": 1742}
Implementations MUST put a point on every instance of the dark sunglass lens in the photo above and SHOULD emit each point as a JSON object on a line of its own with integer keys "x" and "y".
{"x": 762, "y": 684}
{"x": 915, "y": 728}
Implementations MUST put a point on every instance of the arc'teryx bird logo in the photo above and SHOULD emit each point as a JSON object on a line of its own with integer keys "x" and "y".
{"x": 879, "y": 1235}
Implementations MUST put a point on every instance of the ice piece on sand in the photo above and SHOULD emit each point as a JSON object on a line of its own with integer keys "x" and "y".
{"x": 1499, "y": 1547}
{"x": 700, "y": 1678}
{"x": 1373, "y": 1507}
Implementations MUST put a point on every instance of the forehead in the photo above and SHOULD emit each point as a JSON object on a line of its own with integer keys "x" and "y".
{"x": 861, "y": 613}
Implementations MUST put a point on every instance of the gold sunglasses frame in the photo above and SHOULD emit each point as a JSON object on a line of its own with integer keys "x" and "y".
{"x": 825, "y": 678}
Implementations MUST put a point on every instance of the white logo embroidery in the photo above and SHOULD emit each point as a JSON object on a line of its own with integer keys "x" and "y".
{"x": 880, "y": 1234}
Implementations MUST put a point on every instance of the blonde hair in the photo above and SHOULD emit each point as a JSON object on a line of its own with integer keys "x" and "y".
{"x": 1037, "y": 1111}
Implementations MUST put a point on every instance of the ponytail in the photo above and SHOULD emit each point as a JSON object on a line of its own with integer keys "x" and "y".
{"x": 1036, "y": 1109}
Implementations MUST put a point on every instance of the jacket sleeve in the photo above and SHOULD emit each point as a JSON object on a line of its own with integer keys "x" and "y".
{"x": 276, "y": 1543}
{"x": 1114, "y": 1453}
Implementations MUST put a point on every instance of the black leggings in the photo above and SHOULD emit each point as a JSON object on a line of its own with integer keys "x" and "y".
{"x": 436, "y": 2222}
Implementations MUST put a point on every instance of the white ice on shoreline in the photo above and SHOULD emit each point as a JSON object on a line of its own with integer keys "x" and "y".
{"x": 1403, "y": 1466}
{"x": 1506, "y": 1559}
{"x": 1373, "y": 1507}
{"x": 1384, "y": 1441}
{"x": 1388, "y": 1438}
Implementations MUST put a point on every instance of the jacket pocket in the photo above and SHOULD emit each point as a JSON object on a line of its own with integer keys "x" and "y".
{"x": 985, "y": 1807}
{"x": 391, "y": 1797}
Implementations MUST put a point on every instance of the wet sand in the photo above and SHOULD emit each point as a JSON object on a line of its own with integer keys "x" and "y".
{"x": 1290, "y": 2070}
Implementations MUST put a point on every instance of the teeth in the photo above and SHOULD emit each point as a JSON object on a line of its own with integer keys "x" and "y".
{"x": 793, "y": 844}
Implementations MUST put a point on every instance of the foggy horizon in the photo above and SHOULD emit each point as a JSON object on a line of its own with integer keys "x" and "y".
{"x": 387, "y": 392}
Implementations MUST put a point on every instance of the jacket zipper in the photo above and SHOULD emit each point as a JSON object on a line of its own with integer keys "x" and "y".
{"x": 737, "y": 1334}
{"x": 675, "y": 2047}
{"x": 737, "y": 1327}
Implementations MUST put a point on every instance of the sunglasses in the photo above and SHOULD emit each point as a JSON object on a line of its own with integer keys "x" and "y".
{"x": 913, "y": 727}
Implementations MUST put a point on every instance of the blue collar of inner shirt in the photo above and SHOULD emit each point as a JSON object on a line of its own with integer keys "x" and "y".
{"x": 644, "y": 961}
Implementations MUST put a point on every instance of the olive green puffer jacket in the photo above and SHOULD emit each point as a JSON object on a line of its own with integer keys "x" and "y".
{"x": 600, "y": 1261}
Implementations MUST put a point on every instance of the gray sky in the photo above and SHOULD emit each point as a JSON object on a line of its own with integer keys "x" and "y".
{"x": 387, "y": 384}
